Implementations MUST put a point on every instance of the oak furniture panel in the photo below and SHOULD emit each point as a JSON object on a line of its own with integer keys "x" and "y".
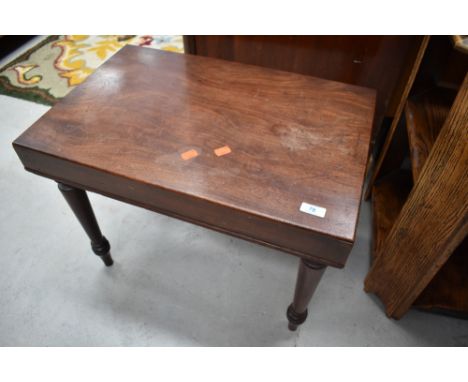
{"x": 423, "y": 260}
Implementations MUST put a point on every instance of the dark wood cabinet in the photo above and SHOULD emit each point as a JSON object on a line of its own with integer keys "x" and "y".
{"x": 379, "y": 62}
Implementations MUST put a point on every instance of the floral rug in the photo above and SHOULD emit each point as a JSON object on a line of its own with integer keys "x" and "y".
{"x": 51, "y": 69}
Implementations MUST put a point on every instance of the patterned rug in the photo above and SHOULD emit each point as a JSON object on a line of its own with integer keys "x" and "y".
{"x": 51, "y": 69}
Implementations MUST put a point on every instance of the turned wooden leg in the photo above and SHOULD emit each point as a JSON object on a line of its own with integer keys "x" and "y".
{"x": 308, "y": 277}
{"x": 79, "y": 203}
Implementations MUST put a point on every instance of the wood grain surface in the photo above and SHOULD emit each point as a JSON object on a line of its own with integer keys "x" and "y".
{"x": 408, "y": 84}
{"x": 433, "y": 221}
{"x": 377, "y": 62}
{"x": 448, "y": 290}
{"x": 293, "y": 139}
{"x": 389, "y": 194}
{"x": 425, "y": 116}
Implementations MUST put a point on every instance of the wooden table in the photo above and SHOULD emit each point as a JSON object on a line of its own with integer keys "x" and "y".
{"x": 268, "y": 156}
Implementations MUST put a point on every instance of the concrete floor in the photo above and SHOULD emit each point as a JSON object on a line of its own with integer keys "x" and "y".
{"x": 172, "y": 284}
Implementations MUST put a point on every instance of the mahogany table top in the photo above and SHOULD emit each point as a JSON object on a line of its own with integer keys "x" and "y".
{"x": 214, "y": 142}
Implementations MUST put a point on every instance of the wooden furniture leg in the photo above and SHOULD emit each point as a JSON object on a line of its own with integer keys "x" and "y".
{"x": 79, "y": 203}
{"x": 308, "y": 277}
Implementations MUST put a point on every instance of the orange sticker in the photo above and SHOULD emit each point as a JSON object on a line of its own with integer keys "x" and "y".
{"x": 189, "y": 154}
{"x": 222, "y": 151}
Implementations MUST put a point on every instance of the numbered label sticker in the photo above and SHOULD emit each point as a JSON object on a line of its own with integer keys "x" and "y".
{"x": 313, "y": 210}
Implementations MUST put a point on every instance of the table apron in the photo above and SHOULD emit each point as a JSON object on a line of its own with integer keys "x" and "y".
{"x": 258, "y": 229}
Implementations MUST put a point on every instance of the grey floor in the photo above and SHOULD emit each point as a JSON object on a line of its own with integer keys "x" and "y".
{"x": 172, "y": 284}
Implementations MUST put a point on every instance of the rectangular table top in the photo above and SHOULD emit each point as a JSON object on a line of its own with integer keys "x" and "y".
{"x": 223, "y": 137}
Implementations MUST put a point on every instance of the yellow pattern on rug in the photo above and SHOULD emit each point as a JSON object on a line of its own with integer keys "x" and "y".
{"x": 51, "y": 69}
